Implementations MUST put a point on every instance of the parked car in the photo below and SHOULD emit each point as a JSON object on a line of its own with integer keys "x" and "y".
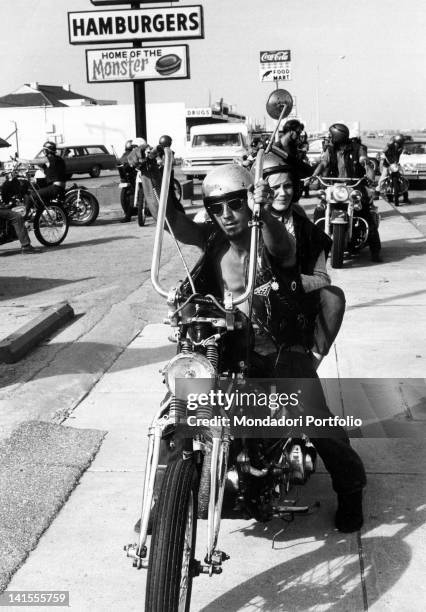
{"x": 315, "y": 151}
{"x": 413, "y": 161}
{"x": 82, "y": 159}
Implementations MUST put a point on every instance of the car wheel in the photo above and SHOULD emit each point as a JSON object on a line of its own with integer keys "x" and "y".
{"x": 95, "y": 171}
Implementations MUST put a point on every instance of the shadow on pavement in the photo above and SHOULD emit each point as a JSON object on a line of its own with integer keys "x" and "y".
{"x": 83, "y": 243}
{"x": 18, "y": 286}
{"x": 329, "y": 577}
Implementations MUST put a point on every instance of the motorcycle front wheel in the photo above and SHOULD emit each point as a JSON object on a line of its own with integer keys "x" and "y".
{"x": 171, "y": 559}
{"x": 141, "y": 209}
{"x": 83, "y": 207}
{"x": 51, "y": 225}
{"x": 338, "y": 246}
{"x": 177, "y": 188}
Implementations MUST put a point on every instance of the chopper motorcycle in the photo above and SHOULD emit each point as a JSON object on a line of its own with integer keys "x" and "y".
{"x": 132, "y": 196}
{"x": 50, "y": 223}
{"x": 338, "y": 215}
{"x": 191, "y": 484}
{"x": 80, "y": 205}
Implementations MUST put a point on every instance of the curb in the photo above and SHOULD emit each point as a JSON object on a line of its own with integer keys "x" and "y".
{"x": 15, "y": 346}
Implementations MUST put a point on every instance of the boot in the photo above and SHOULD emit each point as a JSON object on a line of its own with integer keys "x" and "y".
{"x": 349, "y": 516}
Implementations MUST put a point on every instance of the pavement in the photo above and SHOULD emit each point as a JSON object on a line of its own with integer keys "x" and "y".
{"x": 303, "y": 565}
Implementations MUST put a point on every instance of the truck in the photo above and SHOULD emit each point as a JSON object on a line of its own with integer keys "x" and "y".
{"x": 212, "y": 145}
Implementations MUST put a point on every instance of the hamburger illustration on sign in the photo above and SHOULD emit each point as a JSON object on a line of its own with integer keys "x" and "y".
{"x": 168, "y": 64}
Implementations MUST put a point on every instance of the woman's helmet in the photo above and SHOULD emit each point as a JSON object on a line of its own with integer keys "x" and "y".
{"x": 129, "y": 145}
{"x": 49, "y": 146}
{"x": 339, "y": 133}
{"x": 225, "y": 181}
{"x": 165, "y": 141}
{"x": 273, "y": 163}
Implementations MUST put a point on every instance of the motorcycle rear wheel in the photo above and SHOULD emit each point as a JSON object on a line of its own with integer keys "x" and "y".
{"x": 83, "y": 208}
{"x": 171, "y": 559}
{"x": 51, "y": 228}
{"x": 177, "y": 188}
{"x": 338, "y": 246}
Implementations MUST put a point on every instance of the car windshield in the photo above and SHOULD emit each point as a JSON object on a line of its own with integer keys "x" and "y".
{"x": 415, "y": 148}
{"x": 217, "y": 140}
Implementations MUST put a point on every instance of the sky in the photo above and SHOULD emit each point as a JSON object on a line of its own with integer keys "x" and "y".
{"x": 352, "y": 60}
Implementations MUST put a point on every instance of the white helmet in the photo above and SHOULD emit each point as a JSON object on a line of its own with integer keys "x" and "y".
{"x": 230, "y": 179}
{"x": 139, "y": 142}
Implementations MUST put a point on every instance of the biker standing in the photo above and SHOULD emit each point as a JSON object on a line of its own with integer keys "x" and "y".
{"x": 347, "y": 158}
{"x": 283, "y": 334}
{"x": 391, "y": 155}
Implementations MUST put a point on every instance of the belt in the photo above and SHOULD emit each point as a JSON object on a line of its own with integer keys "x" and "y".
{"x": 59, "y": 184}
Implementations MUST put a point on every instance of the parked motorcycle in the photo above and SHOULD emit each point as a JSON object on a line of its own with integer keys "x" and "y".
{"x": 338, "y": 215}
{"x": 50, "y": 223}
{"x": 212, "y": 465}
{"x": 80, "y": 205}
{"x": 395, "y": 184}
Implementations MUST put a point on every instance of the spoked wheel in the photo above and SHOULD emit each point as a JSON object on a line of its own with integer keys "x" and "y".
{"x": 141, "y": 208}
{"x": 171, "y": 559}
{"x": 177, "y": 188}
{"x": 51, "y": 225}
{"x": 338, "y": 246}
{"x": 83, "y": 207}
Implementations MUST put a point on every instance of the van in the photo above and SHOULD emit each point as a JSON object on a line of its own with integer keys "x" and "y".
{"x": 212, "y": 145}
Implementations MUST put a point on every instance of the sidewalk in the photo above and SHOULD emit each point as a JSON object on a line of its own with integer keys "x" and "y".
{"x": 312, "y": 567}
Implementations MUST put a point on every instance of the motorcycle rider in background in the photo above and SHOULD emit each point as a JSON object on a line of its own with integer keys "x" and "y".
{"x": 126, "y": 203}
{"x": 391, "y": 155}
{"x": 347, "y": 158}
{"x": 55, "y": 175}
{"x": 312, "y": 247}
{"x": 282, "y": 340}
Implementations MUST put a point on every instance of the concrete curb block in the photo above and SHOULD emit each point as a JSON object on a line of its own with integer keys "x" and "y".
{"x": 15, "y": 346}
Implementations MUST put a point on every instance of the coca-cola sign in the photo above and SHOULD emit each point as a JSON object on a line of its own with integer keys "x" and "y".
{"x": 275, "y": 56}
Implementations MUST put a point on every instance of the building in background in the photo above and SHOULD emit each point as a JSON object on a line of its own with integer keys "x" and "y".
{"x": 52, "y": 112}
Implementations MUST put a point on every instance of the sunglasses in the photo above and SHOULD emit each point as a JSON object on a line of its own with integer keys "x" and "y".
{"x": 218, "y": 207}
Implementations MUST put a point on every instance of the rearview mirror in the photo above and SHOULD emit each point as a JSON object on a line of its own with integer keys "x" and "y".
{"x": 279, "y": 104}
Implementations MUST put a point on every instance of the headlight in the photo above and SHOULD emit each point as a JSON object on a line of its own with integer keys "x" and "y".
{"x": 340, "y": 193}
{"x": 409, "y": 168}
{"x": 186, "y": 163}
{"x": 394, "y": 168}
{"x": 187, "y": 365}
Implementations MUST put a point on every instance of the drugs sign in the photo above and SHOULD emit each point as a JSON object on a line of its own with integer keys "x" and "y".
{"x": 133, "y": 64}
{"x": 89, "y": 27}
{"x": 275, "y": 66}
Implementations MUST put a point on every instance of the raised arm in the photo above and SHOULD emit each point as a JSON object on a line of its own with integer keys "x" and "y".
{"x": 277, "y": 240}
{"x": 184, "y": 229}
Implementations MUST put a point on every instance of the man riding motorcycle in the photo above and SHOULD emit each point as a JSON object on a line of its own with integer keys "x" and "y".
{"x": 391, "y": 155}
{"x": 129, "y": 173}
{"x": 282, "y": 322}
{"x": 347, "y": 158}
{"x": 312, "y": 247}
{"x": 55, "y": 174}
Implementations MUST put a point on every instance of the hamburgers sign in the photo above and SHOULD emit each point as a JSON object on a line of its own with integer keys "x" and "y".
{"x": 145, "y": 24}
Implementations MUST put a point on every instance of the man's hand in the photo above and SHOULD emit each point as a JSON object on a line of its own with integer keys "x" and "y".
{"x": 260, "y": 194}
